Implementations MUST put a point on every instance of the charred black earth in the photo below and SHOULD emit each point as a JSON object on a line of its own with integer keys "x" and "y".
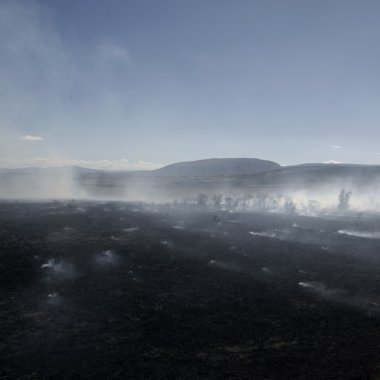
{"x": 134, "y": 291}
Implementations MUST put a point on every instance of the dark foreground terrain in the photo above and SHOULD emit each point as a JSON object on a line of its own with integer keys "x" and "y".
{"x": 113, "y": 290}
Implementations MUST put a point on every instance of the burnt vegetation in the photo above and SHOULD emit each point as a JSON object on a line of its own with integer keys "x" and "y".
{"x": 262, "y": 201}
{"x": 197, "y": 289}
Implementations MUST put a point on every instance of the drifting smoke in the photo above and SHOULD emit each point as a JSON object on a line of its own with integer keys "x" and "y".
{"x": 54, "y": 299}
{"x": 39, "y": 184}
{"x": 306, "y": 285}
{"x": 358, "y": 192}
{"x": 322, "y": 290}
{"x": 58, "y": 270}
{"x": 167, "y": 243}
{"x": 263, "y": 234}
{"x": 107, "y": 258}
{"x": 180, "y": 225}
{"x": 225, "y": 266}
{"x": 361, "y": 234}
{"x": 340, "y": 296}
{"x": 131, "y": 229}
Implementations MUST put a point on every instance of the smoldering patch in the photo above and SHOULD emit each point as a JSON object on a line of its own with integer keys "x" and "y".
{"x": 323, "y": 291}
{"x": 294, "y": 234}
{"x": 59, "y": 270}
{"x": 361, "y": 234}
{"x": 131, "y": 229}
{"x": 225, "y": 266}
{"x": 366, "y": 303}
{"x": 54, "y": 299}
{"x": 326, "y": 292}
{"x": 107, "y": 258}
{"x": 266, "y": 270}
{"x": 167, "y": 243}
{"x": 307, "y": 285}
{"x": 180, "y": 225}
{"x": 267, "y": 234}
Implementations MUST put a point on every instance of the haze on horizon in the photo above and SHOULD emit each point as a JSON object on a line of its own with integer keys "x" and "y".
{"x": 139, "y": 84}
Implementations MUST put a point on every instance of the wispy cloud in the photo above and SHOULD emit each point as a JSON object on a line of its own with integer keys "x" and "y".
{"x": 109, "y": 52}
{"x": 333, "y": 162}
{"x": 336, "y": 146}
{"x": 121, "y": 164}
{"x": 32, "y": 138}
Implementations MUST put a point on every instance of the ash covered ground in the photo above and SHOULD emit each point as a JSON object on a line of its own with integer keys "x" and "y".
{"x": 125, "y": 290}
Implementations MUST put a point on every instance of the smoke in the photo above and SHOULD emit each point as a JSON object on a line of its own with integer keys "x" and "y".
{"x": 107, "y": 258}
{"x": 58, "y": 270}
{"x": 341, "y": 296}
{"x": 131, "y": 229}
{"x": 361, "y": 234}
{"x": 55, "y": 97}
{"x": 326, "y": 198}
{"x": 54, "y": 299}
{"x": 167, "y": 243}
{"x": 35, "y": 183}
{"x": 302, "y": 199}
{"x": 180, "y": 225}
{"x": 263, "y": 234}
{"x": 323, "y": 199}
{"x": 225, "y": 266}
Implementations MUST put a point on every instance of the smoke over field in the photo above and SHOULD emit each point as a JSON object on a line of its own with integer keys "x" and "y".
{"x": 191, "y": 271}
{"x": 304, "y": 189}
{"x": 142, "y": 237}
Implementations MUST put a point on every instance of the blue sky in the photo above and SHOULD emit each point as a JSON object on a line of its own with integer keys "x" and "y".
{"x": 124, "y": 84}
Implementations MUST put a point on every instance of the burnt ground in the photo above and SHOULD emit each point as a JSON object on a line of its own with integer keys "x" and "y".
{"x": 113, "y": 290}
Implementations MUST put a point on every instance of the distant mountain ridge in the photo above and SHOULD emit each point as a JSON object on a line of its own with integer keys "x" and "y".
{"x": 199, "y": 168}
{"x": 217, "y": 167}
{"x": 185, "y": 178}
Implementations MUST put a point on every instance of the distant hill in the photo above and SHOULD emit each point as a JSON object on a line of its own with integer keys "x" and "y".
{"x": 306, "y": 175}
{"x": 217, "y": 167}
{"x": 215, "y": 175}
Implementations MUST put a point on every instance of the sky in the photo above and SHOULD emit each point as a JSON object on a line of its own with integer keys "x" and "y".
{"x": 124, "y": 84}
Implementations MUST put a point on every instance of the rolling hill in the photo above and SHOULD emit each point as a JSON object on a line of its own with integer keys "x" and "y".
{"x": 228, "y": 175}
